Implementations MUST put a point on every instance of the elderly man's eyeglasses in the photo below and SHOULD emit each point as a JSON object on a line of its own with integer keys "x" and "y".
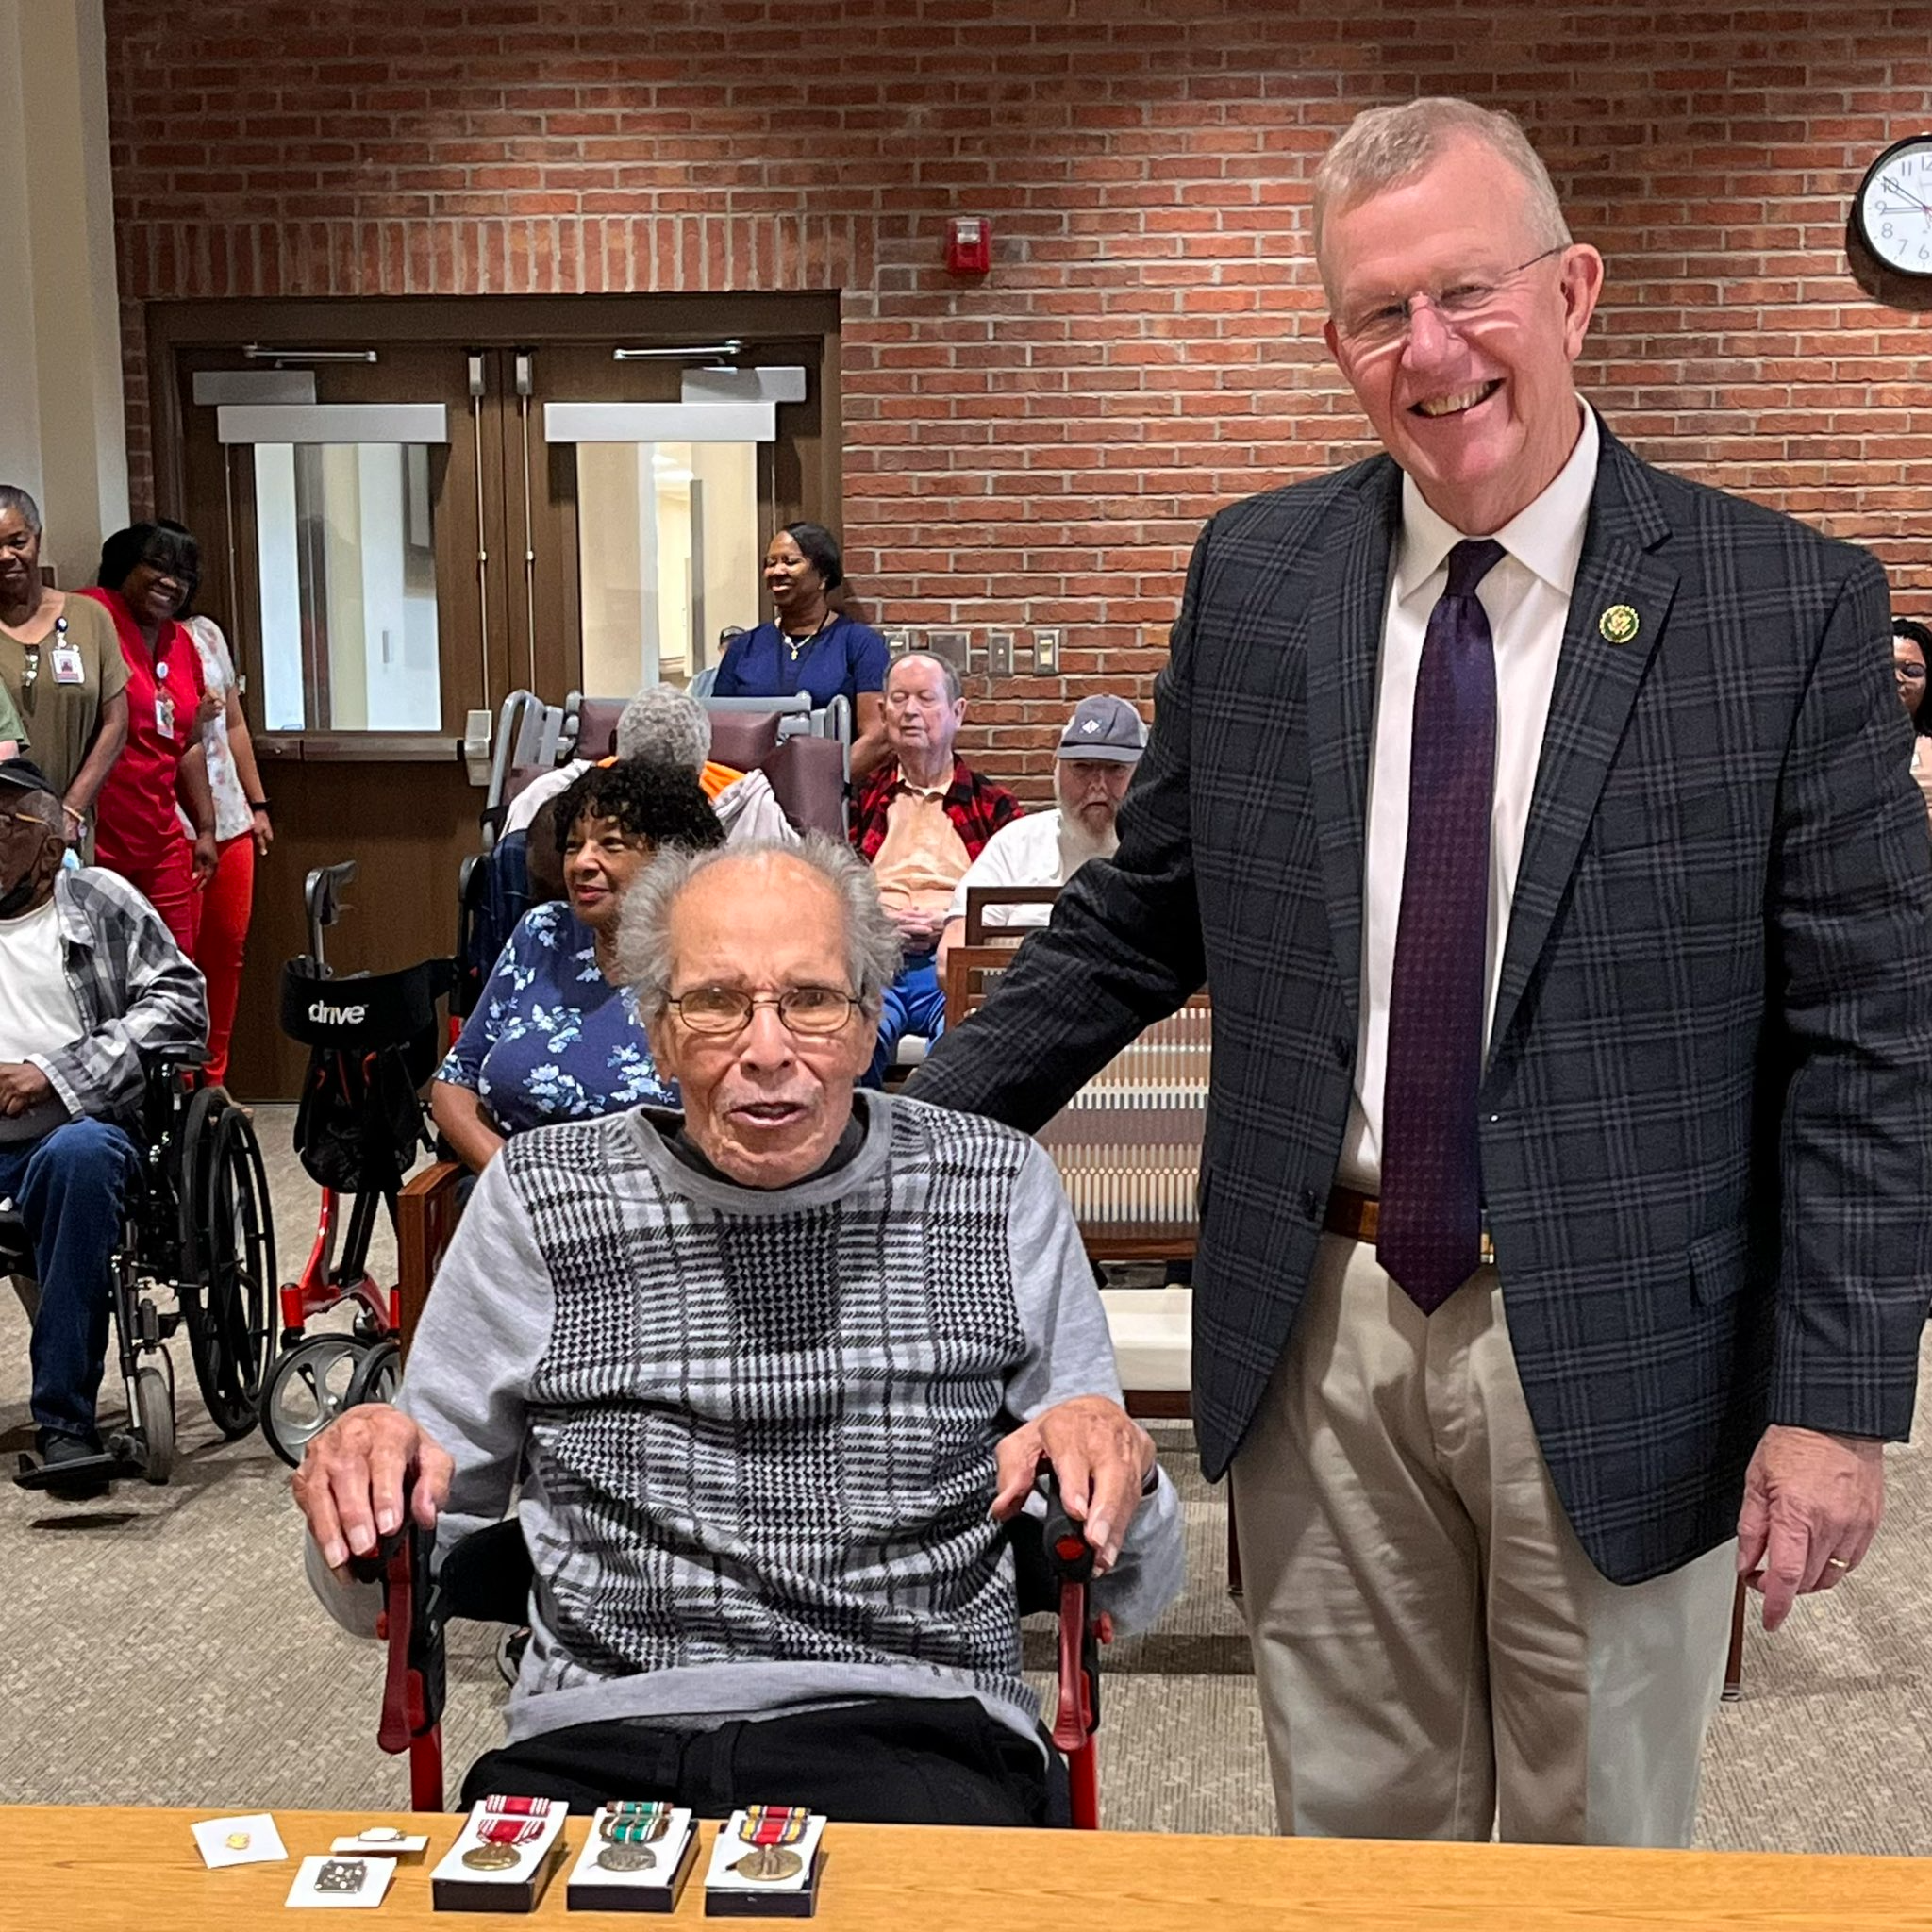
{"x": 1377, "y": 325}
{"x": 807, "y": 1010}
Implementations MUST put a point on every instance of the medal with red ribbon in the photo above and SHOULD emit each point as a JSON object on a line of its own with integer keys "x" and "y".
{"x": 769, "y": 1829}
{"x": 507, "y": 1824}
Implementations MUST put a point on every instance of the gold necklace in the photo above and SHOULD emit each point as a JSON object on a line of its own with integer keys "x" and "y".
{"x": 798, "y": 646}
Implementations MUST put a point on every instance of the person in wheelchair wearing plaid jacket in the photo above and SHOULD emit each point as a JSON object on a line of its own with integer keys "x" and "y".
{"x": 92, "y": 985}
{"x": 766, "y": 1382}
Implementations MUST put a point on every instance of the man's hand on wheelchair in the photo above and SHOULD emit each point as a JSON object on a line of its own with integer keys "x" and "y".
{"x": 1101, "y": 1457}
{"x": 22, "y": 1085}
{"x": 352, "y": 1478}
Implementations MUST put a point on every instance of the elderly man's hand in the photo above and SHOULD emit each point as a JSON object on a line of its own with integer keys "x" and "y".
{"x": 350, "y": 1485}
{"x": 1101, "y": 1457}
{"x": 1812, "y": 1503}
{"x": 22, "y": 1085}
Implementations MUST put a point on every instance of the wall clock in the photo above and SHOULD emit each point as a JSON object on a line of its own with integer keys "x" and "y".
{"x": 1893, "y": 211}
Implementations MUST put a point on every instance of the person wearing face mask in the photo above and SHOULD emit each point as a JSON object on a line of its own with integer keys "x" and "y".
{"x": 95, "y": 984}
{"x": 765, "y": 1380}
{"x": 147, "y": 575}
{"x": 809, "y": 646}
{"x": 553, "y": 1036}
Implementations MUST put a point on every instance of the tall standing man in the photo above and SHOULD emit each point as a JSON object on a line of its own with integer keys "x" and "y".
{"x": 1542, "y": 823}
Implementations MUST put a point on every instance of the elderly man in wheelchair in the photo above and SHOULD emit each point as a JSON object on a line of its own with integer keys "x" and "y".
{"x": 92, "y": 991}
{"x": 766, "y": 1382}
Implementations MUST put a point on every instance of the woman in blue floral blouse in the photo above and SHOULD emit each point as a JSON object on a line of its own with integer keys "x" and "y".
{"x": 553, "y": 1037}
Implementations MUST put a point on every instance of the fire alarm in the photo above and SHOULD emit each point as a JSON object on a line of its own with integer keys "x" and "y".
{"x": 969, "y": 244}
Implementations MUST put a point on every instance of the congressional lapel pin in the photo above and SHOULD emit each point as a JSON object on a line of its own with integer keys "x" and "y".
{"x": 1617, "y": 624}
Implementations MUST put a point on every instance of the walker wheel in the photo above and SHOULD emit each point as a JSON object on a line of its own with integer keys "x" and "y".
{"x": 307, "y": 1389}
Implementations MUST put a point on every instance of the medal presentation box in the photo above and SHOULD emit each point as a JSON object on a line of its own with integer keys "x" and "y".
{"x": 765, "y": 1864}
{"x": 636, "y": 1859}
{"x": 508, "y": 1853}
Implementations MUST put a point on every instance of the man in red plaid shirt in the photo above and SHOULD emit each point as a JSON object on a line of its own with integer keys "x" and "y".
{"x": 920, "y": 821}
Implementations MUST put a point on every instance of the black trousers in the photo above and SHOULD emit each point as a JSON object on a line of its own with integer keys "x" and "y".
{"x": 888, "y": 1760}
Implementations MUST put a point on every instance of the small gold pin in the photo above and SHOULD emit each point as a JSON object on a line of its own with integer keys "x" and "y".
{"x": 1617, "y": 624}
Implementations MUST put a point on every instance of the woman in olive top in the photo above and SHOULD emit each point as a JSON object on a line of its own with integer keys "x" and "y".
{"x": 810, "y": 647}
{"x": 61, "y": 665}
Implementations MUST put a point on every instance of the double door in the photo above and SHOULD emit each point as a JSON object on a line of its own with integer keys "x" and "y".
{"x": 408, "y": 510}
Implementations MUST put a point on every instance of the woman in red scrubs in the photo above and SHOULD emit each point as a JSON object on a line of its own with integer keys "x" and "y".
{"x": 148, "y": 572}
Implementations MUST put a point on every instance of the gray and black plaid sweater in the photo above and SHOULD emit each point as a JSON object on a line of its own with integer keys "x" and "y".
{"x": 758, "y": 1428}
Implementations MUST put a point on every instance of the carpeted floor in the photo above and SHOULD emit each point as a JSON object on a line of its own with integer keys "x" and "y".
{"x": 166, "y": 1651}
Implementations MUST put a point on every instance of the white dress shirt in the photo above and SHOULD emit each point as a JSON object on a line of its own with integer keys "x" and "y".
{"x": 1527, "y": 597}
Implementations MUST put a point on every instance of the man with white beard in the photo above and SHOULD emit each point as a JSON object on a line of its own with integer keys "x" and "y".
{"x": 1098, "y": 754}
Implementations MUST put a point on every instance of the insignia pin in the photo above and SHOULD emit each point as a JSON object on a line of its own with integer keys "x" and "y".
{"x": 1618, "y": 623}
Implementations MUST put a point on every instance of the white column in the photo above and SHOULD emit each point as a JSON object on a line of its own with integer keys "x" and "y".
{"x": 62, "y": 427}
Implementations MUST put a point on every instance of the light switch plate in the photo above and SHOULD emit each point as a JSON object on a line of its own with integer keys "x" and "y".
{"x": 899, "y": 638}
{"x": 1046, "y": 652}
{"x": 954, "y": 647}
{"x": 999, "y": 653}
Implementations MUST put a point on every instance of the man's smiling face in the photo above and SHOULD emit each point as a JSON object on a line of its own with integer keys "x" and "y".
{"x": 1480, "y": 409}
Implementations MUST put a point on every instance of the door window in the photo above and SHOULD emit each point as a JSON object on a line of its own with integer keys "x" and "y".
{"x": 666, "y": 545}
{"x": 346, "y": 557}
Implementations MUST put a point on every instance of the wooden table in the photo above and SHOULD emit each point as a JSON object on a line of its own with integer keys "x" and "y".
{"x": 137, "y": 1871}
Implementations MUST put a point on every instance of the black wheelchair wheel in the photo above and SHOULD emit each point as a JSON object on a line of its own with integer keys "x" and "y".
{"x": 196, "y": 1154}
{"x": 228, "y": 1309}
{"x": 308, "y": 1387}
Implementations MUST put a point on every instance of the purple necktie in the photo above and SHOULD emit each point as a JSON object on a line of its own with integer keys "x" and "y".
{"x": 1430, "y": 1234}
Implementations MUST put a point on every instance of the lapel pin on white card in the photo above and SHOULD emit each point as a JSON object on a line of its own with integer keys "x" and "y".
{"x": 1617, "y": 624}
{"x": 250, "y": 1840}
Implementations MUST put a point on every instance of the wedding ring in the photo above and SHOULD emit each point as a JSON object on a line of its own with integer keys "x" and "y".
{"x": 1837, "y": 1562}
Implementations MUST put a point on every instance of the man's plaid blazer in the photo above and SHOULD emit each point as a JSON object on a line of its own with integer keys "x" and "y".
{"x": 1708, "y": 1107}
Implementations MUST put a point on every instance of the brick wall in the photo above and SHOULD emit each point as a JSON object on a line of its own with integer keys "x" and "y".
{"x": 1038, "y": 447}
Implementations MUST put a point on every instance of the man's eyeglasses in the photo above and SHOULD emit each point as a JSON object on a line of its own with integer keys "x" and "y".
{"x": 811, "y": 1012}
{"x": 1377, "y": 326}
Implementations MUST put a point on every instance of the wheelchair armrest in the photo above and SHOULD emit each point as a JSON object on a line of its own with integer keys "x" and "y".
{"x": 414, "y": 1615}
{"x": 1053, "y": 1570}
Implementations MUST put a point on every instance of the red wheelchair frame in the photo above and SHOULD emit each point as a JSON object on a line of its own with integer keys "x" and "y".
{"x": 480, "y": 1579}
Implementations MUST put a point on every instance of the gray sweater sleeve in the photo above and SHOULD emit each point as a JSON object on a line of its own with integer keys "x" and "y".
{"x": 1069, "y": 1353}
{"x": 484, "y": 1330}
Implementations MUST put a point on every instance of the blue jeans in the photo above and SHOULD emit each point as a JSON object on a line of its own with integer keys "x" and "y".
{"x": 914, "y": 1003}
{"x": 70, "y": 1188}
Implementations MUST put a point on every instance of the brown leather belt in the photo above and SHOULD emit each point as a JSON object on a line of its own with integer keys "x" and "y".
{"x": 1356, "y": 1217}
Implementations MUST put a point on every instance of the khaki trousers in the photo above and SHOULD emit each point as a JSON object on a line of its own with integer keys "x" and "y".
{"x": 1436, "y": 1656}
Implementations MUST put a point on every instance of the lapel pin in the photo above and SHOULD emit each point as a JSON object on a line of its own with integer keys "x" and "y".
{"x": 1617, "y": 624}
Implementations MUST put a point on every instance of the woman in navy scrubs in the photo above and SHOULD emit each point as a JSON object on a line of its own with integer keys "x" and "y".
{"x": 811, "y": 647}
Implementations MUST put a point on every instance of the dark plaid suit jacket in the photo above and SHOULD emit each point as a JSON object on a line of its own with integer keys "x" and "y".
{"x": 1707, "y": 1105}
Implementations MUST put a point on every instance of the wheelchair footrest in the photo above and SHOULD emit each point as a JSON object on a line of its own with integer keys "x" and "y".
{"x": 103, "y": 1468}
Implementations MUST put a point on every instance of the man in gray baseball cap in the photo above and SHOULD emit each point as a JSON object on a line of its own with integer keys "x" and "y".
{"x": 1099, "y": 747}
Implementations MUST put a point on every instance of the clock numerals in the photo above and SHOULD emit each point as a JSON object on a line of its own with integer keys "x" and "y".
{"x": 1893, "y": 211}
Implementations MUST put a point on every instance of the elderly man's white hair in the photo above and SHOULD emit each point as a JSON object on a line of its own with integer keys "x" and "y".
{"x": 644, "y": 935}
{"x": 667, "y": 725}
{"x": 1384, "y": 145}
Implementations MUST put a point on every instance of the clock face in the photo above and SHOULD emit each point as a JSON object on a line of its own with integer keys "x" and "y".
{"x": 1894, "y": 207}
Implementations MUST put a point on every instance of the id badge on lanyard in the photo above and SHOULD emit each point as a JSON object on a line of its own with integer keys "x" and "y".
{"x": 164, "y": 705}
{"x": 68, "y": 669}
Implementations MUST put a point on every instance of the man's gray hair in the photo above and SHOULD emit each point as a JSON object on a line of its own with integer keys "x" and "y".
{"x": 1384, "y": 145}
{"x": 644, "y": 935}
{"x": 667, "y": 725}
{"x": 13, "y": 497}
{"x": 948, "y": 672}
